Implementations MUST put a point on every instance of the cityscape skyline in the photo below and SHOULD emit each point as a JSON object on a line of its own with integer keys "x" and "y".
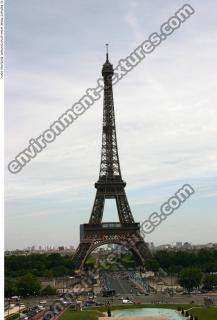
{"x": 47, "y": 247}
{"x": 165, "y": 117}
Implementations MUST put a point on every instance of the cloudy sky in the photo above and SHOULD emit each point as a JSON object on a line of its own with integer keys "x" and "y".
{"x": 165, "y": 108}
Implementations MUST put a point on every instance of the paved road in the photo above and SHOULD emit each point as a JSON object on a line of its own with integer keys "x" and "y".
{"x": 125, "y": 288}
{"x": 156, "y": 298}
{"x": 121, "y": 285}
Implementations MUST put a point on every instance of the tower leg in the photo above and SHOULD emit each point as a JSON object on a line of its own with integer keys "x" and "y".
{"x": 80, "y": 254}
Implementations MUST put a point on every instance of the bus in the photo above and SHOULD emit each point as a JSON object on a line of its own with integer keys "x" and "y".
{"x": 108, "y": 293}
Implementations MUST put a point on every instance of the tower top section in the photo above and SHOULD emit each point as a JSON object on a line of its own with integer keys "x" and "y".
{"x": 107, "y": 52}
{"x": 107, "y": 68}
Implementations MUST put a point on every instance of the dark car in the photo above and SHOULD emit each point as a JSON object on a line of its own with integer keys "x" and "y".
{"x": 48, "y": 316}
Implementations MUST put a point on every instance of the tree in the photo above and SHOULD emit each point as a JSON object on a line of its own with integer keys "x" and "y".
{"x": 210, "y": 282}
{"x": 10, "y": 288}
{"x": 127, "y": 260}
{"x": 174, "y": 269}
{"x": 48, "y": 291}
{"x": 190, "y": 278}
{"x": 152, "y": 265}
{"x": 90, "y": 262}
{"x": 28, "y": 285}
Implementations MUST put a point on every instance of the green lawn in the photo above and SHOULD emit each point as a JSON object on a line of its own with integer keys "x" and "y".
{"x": 83, "y": 315}
{"x": 205, "y": 313}
{"x": 202, "y": 313}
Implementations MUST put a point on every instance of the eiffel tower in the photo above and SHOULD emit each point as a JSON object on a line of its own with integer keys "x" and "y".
{"x": 110, "y": 185}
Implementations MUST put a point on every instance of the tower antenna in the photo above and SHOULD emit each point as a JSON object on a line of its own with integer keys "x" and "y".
{"x": 106, "y": 51}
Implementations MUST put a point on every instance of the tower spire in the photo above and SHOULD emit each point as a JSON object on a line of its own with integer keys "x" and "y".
{"x": 107, "y": 59}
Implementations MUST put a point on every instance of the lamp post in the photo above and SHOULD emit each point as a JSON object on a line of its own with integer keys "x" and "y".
{"x": 19, "y": 309}
{"x": 27, "y": 304}
{"x": 9, "y": 301}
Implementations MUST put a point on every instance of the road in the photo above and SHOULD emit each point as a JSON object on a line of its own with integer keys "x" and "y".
{"x": 125, "y": 288}
{"x": 121, "y": 285}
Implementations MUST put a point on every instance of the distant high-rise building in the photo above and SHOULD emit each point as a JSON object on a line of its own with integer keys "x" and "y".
{"x": 187, "y": 245}
{"x": 151, "y": 246}
{"x": 178, "y": 245}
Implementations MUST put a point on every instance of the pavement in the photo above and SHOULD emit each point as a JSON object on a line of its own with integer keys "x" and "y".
{"x": 12, "y": 311}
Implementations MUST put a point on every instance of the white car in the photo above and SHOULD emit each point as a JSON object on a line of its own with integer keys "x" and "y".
{"x": 40, "y": 307}
{"x": 127, "y": 301}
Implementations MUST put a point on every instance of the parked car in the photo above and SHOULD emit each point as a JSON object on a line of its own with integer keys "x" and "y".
{"x": 41, "y": 307}
{"x": 90, "y": 303}
{"x": 48, "y": 316}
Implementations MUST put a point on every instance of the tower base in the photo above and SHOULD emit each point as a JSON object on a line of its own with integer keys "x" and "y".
{"x": 126, "y": 235}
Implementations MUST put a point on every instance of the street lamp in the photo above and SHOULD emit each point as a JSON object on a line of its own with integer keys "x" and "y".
{"x": 19, "y": 309}
{"x": 27, "y": 304}
{"x": 9, "y": 301}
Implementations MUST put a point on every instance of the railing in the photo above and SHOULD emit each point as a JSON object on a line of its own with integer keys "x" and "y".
{"x": 135, "y": 276}
{"x": 110, "y": 225}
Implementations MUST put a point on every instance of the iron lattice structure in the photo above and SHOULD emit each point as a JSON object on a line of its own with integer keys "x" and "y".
{"x": 110, "y": 186}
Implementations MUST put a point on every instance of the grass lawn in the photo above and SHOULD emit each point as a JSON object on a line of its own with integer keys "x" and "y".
{"x": 202, "y": 313}
{"x": 82, "y": 315}
{"x": 205, "y": 313}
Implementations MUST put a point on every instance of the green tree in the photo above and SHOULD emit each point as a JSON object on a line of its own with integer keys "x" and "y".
{"x": 90, "y": 262}
{"x": 210, "y": 282}
{"x": 28, "y": 285}
{"x": 190, "y": 278}
{"x": 152, "y": 265}
{"x": 10, "y": 288}
{"x": 38, "y": 264}
{"x": 48, "y": 291}
{"x": 127, "y": 260}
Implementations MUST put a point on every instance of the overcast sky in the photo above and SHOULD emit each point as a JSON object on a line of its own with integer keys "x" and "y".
{"x": 165, "y": 108}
